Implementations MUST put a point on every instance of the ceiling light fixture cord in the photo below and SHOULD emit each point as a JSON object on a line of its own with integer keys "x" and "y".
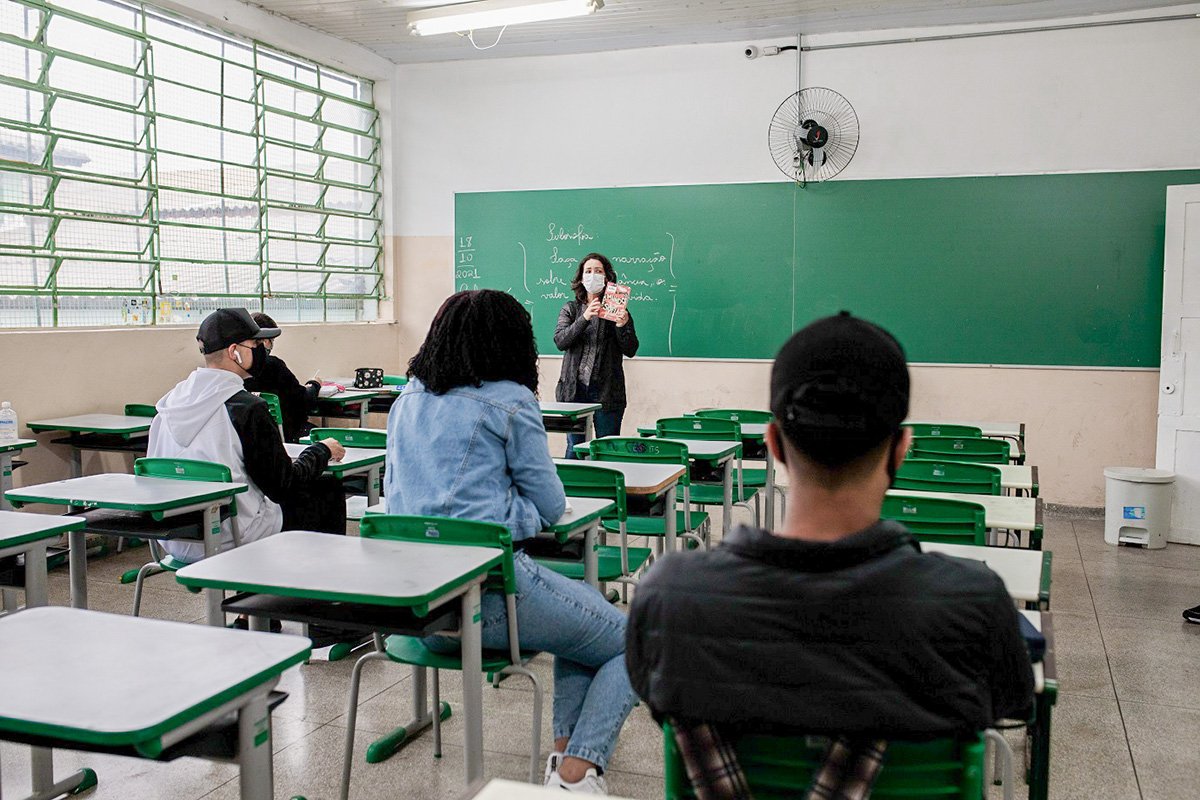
{"x": 471, "y": 39}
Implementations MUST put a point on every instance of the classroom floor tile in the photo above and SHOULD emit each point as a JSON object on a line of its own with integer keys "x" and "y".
{"x": 1124, "y": 726}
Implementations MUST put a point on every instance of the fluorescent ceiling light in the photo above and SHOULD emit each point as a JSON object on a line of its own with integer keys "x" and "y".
{"x": 495, "y": 13}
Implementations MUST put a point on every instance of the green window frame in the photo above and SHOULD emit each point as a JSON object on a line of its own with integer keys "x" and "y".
{"x": 153, "y": 169}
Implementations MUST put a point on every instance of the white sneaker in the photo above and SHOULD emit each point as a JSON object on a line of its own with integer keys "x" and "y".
{"x": 552, "y": 765}
{"x": 590, "y": 783}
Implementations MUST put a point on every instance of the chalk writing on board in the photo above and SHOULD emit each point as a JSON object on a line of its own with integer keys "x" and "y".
{"x": 466, "y": 271}
{"x": 560, "y": 234}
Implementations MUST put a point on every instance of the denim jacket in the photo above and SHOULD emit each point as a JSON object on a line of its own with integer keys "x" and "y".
{"x": 472, "y": 453}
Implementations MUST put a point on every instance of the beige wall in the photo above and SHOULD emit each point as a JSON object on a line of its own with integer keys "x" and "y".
{"x": 58, "y": 372}
{"x": 1077, "y": 421}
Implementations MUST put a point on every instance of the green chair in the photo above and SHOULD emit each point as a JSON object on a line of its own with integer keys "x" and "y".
{"x": 351, "y": 437}
{"x": 411, "y": 650}
{"x": 933, "y": 519}
{"x": 272, "y": 401}
{"x": 938, "y": 429}
{"x": 951, "y": 448}
{"x": 616, "y": 564}
{"x": 183, "y": 469}
{"x": 781, "y": 767}
{"x": 754, "y": 478}
{"x": 689, "y": 525}
{"x": 713, "y": 429}
{"x": 931, "y": 475}
{"x": 140, "y": 410}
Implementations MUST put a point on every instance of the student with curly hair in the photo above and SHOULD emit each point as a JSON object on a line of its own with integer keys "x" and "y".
{"x": 466, "y": 440}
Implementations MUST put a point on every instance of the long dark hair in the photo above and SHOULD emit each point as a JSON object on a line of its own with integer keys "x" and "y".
{"x": 477, "y": 336}
{"x": 610, "y": 275}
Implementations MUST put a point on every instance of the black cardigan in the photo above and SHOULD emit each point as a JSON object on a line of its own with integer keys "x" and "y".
{"x": 609, "y": 374}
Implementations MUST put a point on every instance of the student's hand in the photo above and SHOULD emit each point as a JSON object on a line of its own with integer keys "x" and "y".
{"x": 621, "y": 318}
{"x": 593, "y": 308}
{"x": 336, "y": 451}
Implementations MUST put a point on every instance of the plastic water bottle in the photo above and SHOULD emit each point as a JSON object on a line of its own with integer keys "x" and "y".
{"x": 8, "y": 422}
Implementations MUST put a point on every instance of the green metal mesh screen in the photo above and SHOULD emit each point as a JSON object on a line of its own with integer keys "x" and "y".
{"x": 152, "y": 170}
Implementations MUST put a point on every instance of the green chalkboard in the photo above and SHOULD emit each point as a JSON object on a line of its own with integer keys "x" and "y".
{"x": 1035, "y": 269}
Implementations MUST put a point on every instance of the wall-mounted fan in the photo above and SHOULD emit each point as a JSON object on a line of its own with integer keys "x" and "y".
{"x": 813, "y": 134}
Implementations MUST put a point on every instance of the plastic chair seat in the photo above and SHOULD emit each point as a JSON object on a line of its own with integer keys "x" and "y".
{"x": 608, "y": 558}
{"x": 656, "y": 526}
{"x": 756, "y": 478}
{"x": 411, "y": 650}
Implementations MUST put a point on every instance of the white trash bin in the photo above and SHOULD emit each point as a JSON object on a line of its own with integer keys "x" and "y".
{"x": 1137, "y": 506}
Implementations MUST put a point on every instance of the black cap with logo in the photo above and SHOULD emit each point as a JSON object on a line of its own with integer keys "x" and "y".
{"x": 227, "y": 326}
{"x": 839, "y": 387}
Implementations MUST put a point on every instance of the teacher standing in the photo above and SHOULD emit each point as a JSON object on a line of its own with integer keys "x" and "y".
{"x": 593, "y": 349}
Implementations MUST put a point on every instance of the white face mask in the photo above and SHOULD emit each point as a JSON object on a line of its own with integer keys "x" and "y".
{"x": 593, "y": 282}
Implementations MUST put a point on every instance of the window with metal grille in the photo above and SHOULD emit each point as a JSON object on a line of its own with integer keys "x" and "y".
{"x": 152, "y": 169}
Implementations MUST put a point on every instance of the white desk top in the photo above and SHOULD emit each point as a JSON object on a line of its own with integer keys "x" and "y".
{"x": 356, "y": 457}
{"x": 350, "y": 569}
{"x": 49, "y": 692}
{"x": 129, "y": 492}
{"x": 581, "y": 509}
{"x": 1021, "y": 570}
{"x": 1015, "y": 476}
{"x": 19, "y": 527}
{"x": 501, "y": 789}
{"x": 94, "y": 423}
{"x": 1011, "y": 513}
{"x": 702, "y": 448}
{"x": 350, "y": 396}
{"x": 569, "y": 409}
{"x": 17, "y": 444}
{"x": 640, "y": 477}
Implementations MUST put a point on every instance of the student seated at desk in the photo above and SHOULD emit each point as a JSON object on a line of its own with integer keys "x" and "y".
{"x": 273, "y": 376}
{"x": 836, "y": 624}
{"x": 466, "y": 440}
{"x": 211, "y": 417}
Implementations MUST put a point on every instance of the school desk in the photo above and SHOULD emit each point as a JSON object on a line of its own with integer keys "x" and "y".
{"x": 7, "y": 451}
{"x": 102, "y": 432}
{"x": 1026, "y": 573}
{"x": 570, "y": 418}
{"x": 357, "y": 461}
{"x": 29, "y": 535}
{"x": 1009, "y": 513}
{"x": 340, "y": 405}
{"x": 647, "y": 479}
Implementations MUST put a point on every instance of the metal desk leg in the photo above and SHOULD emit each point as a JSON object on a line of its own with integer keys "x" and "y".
{"x": 591, "y": 561}
{"x": 769, "y": 502}
{"x": 41, "y": 762}
{"x": 373, "y": 485}
{"x": 669, "y": 527}
{"x": 472, "y": 674}
{"x": 588, "y": 427}
{"x": 254, "y": 750}
{"x": 36, "y": 583}
{"x": 362, "y": 413}
{"x": 727, "y": 482}
{"x": 212, "y": 545}
{"x": 76, "y": 462}
{"x": 6, "y": 482}
{"x": 77, "y": 558}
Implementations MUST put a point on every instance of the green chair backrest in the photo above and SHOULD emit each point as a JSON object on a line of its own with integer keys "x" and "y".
{"x": 655, "y": 451}
{"x": 779, "y": 767}
{"x": 938, "y": 429}
{"x": 350, "y": 437}
{"x": 932, "y": 475}
{"x": 591, "y": 480}
{"x": 984, "y": 451}
{"x": 395, "y": 380}
{"x": 185, "y": 469}
{"x": 272, "y": 401}
{"x": 738, "y": 415}
{"x": 707, "y": 428}
{"x": 934, "y": 519}
{"x": 140, "y": 410}
{"x": 443, "y": 530}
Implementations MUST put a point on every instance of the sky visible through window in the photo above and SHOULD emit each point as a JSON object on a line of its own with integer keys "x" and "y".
{"x": 152, "y": 169}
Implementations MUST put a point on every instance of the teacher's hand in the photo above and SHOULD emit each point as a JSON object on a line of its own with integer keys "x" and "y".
{"x": 621, "y": 318}
{"x": 593, "y": 308}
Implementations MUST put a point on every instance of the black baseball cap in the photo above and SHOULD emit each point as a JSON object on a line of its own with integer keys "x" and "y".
{"x": 839, "y": 387}
{"x": 227, "y": 326}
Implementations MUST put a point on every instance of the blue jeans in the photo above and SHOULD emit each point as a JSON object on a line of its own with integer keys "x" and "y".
{"x": 606, "y": 423}
{"x": 592, "y": 695}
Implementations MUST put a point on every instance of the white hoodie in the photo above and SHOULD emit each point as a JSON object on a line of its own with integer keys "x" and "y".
{"x": 192, "y": 422}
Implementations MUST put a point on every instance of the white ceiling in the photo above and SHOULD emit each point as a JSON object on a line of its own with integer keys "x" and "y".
{"x": 380, "y": 24}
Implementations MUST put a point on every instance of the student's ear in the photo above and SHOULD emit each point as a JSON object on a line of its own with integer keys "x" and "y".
{"x": 902, "y": 445}
{"x": 774, "y": 440}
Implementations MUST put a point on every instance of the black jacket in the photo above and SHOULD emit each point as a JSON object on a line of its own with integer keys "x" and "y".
{"x": 867, "y": 635}
{"x": 609, "y": 374}
{"x": 295, "y": 399}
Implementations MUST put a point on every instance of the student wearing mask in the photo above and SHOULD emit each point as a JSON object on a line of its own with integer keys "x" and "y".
{"x": 466, "y": 440}
{"x": 295, "y": 399}
{"x": 210, "y": 416}
{"x": 593, "y": 349}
